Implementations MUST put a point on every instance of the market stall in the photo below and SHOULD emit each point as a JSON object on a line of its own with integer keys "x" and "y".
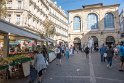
{"x": 52, "y": 56}
{"x": 51, "y": 46}
{"x": 16, "y": 47}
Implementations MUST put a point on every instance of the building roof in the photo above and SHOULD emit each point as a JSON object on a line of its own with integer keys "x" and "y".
{"x": 93, "y": 5}
{"x": 99, "y": 5}
{"x": 122, "y": 12}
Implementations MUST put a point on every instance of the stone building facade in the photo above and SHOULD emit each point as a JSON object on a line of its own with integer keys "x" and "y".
{"x": 28, "y": 14}
{"x": 121, "y": 16}
{"x": 58, "y": 16}
{"x": 31, "y": 14}
{"x": 97, "y": 21}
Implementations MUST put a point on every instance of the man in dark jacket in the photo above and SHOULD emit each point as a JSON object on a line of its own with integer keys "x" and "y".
{"x": 110, "y": 54}
{"x": 87, "y": 50}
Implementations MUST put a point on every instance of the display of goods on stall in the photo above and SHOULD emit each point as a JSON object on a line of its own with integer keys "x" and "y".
{"x": 18, "y": 59}
{"x": 3, "y": 63}
{"x": 13, "y": 60}
{"x": 30, "y": 55}
{"x": 3, "y": 76}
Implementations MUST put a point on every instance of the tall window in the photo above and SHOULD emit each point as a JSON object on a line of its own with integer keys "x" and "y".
{"x": 9, "y": 4}
{"x": 19, "y": 4}
{"x": 77, "y": 24}
{"x": 17, "y": 19}
{"x": 109, "y": 20}
{"x": 9, "y": 17}
{"x": 92, "y": 21}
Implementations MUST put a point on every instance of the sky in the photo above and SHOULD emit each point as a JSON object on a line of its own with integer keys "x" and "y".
{"x": 77, "y": 4}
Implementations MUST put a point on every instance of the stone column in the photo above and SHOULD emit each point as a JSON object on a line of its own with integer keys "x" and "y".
{"x": 6, "y": 45}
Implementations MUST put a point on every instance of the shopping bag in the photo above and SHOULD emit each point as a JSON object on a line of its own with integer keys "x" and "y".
{"x": 47, "y": 63}
{"x": 105, "y": 55}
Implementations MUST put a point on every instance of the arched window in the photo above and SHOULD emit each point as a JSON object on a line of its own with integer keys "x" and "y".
{"x": 92, "y": 21}
{"x": 109, "y": 20}
{"x": 77, "y": 24}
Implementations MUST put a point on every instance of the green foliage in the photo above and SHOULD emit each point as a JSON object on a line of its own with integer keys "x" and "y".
{"x": 49, "y": 28}
{"x": 3, "y": 8}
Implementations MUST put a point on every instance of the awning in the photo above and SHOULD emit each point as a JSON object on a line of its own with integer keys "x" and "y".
{"x": 50, "y": 40}
{"x": 11, "y": 28}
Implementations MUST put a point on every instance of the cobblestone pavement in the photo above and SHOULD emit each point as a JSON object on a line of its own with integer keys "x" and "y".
{"x": 80, "y": 69}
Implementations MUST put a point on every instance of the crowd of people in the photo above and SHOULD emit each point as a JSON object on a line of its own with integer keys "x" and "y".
{"x": 107, "y": 54}
{"x": 110, "y": 52}
{"x": 39, "y": 65}
{"x": 63, "y": 50}
{"x": 41, "y": 60}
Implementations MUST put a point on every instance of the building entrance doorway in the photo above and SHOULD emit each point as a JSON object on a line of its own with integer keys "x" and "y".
{"x": 95, "y": 43}
{"x": 110, "y": 40}
{"x": 77, "y": 43}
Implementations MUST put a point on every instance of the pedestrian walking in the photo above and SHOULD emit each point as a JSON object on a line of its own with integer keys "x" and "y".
{"x": 33, "y": 74}
{"x": 76, "y": 49}
{"x": 67, "y": 54}
{"x": 110, "y": 54}
{"x": 45, "y": 53}
{"x": 83, "y": 47}
{"x": 71, "y": 52}
{"x": 121, "y": 54}
{"x": 40, "y": 65}
{"x": 58, "y": 54}
{"x": 116, "y": 50}
{"x": 63, "y": 50}
{"x": 103, "y": 51}
{"x": 87, "y": 50}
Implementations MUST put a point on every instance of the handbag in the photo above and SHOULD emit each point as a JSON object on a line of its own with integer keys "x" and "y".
{"x": 105, "y": 55}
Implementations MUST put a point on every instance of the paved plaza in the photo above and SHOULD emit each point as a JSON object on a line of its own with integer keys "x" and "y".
{"x": 80, "y": 69}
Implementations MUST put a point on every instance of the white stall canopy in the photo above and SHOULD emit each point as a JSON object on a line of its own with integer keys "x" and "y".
{"x": 11, "y": 28}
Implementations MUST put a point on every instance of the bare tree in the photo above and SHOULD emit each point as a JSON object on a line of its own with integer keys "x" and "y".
{"x": 3, "y": 8}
